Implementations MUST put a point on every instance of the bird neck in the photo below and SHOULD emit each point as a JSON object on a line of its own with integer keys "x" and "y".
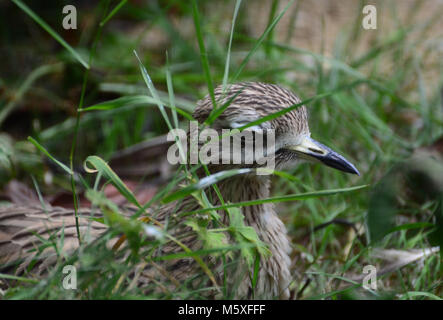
{"x": 268, "y": 226}
{"x": 245, "y": 188}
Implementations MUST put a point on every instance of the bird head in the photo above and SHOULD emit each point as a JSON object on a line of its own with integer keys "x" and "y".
{"x": 247, "y": 102}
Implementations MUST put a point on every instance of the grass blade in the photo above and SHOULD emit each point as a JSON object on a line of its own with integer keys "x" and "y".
{"x": 203, "y": 54}
{"x": 113, "y": 12}
{"x": 291, "y": 197}
{"x": 153, "y": 91}
{"x": 171, "y": 92}
{"x": 42, "y": 149}
{"x": 17, "y": 278}
{"x": 99, "y": 165}
{"x": 51, "y": 31}
{"x": 34, "y": 75}
{"x": 204, "y": 183}
{"x": 228, "y": 56}
{"x": 260, "y": 40}
{"x": 295, "y": 106}
{"x": 410, "y": 294}
{"x": 131, "y": 101}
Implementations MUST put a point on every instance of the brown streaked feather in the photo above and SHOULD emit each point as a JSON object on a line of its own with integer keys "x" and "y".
{"x": 21, "y": 226}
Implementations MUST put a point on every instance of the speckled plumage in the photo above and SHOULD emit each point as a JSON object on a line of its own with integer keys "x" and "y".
{"x": 250, "y": 101}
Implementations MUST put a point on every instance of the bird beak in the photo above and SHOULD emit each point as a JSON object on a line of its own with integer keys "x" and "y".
{"x": 312, "y": 150}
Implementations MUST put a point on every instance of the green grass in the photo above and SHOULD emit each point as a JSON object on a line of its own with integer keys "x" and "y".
{"x": 354, "y": 100}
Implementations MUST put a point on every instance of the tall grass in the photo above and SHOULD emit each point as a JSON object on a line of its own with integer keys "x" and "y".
{"x": 351, "y": 102}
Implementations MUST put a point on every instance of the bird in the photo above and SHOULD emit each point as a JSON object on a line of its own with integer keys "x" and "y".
{"x": 243, "y": 103}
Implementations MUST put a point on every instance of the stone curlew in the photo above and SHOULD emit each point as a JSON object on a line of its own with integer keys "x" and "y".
{"x": 248, "y": 102}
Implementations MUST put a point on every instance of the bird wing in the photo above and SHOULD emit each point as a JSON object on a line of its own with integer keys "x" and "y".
{"x": 30, "y": 231}
{"x": 32, "y": 237}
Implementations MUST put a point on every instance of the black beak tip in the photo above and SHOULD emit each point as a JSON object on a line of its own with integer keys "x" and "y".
{"x": 338, "y": 162}
{"x": 348, "y": 167}
{"x": 354, "y": 171}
